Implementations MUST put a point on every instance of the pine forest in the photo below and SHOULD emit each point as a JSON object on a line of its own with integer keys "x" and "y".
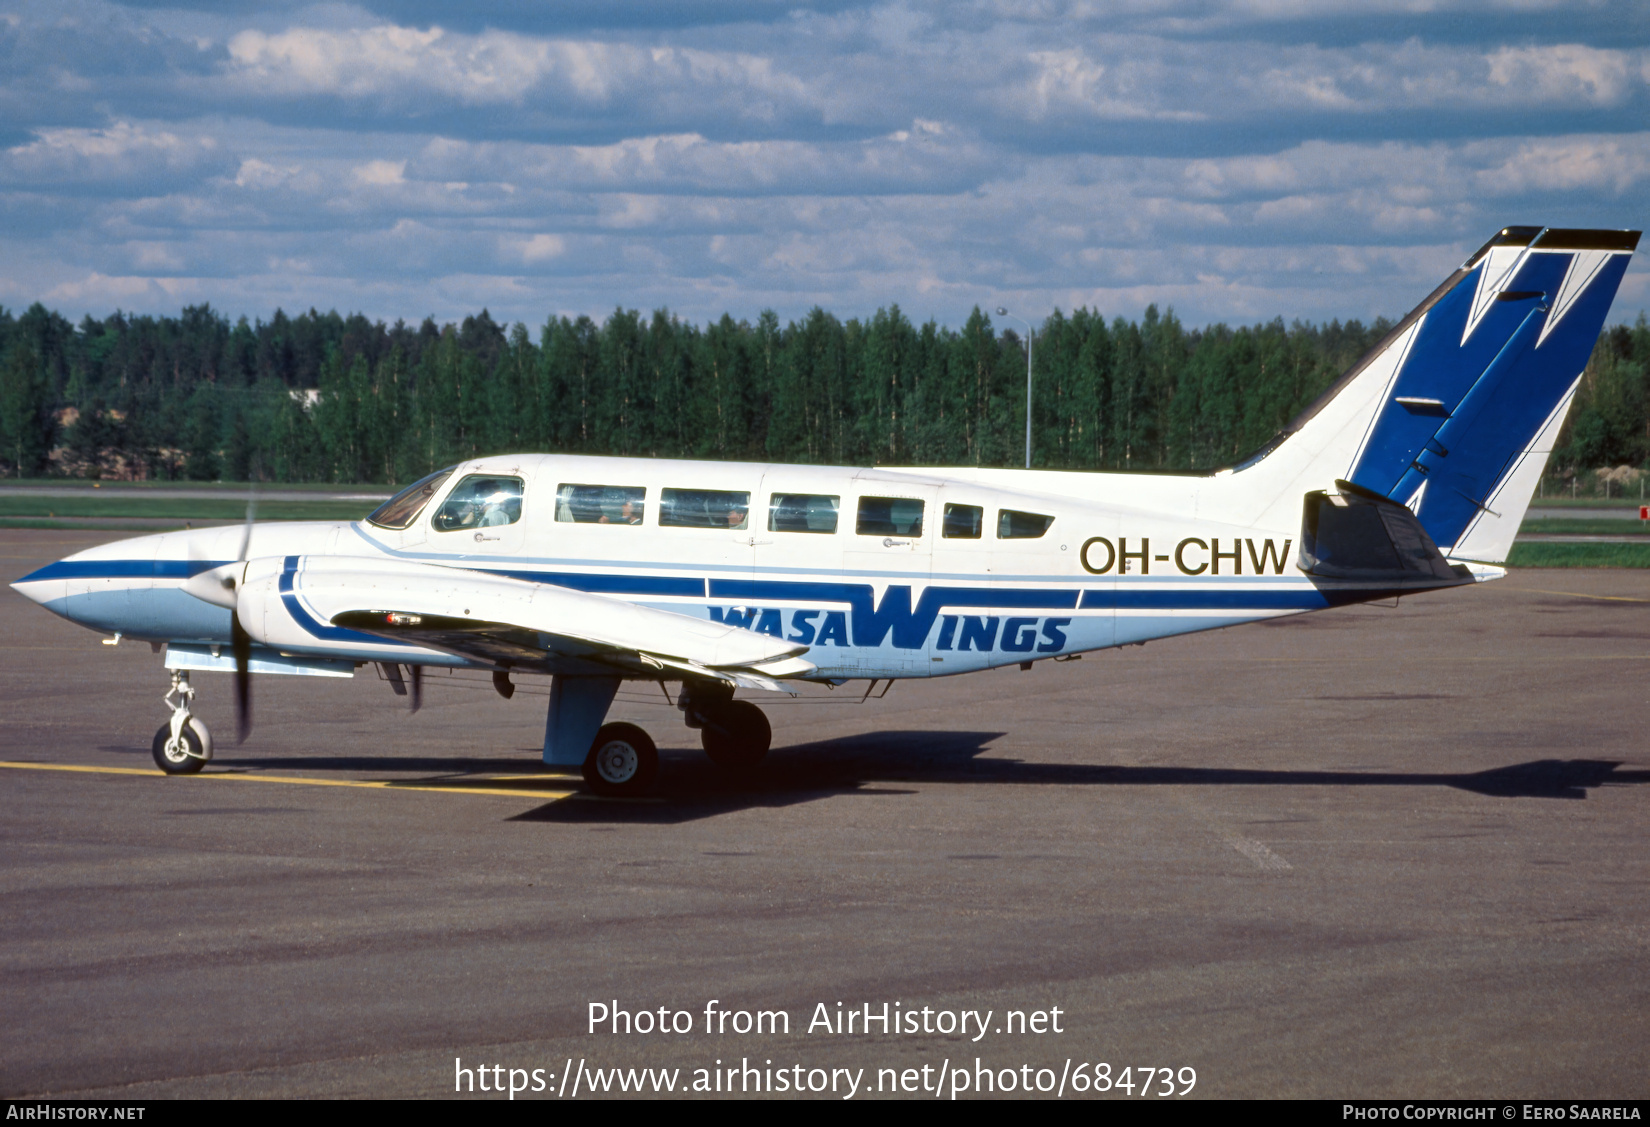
{"x": 321, "y": 397}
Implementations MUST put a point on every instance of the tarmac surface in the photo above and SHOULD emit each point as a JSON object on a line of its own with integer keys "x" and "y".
{"x": 1371, "y": 852}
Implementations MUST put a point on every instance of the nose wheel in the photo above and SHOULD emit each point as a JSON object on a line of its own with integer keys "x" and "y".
{"x": 182, "y": 746}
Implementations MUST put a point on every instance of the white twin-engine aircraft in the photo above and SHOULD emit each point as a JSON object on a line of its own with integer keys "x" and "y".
{"x": 1411, "y": 474}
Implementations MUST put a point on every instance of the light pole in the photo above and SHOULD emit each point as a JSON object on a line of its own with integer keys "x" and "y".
{"x": 1031, "y": 338}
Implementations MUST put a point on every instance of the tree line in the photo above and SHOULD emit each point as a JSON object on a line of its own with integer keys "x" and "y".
{"x": 322, "y": 397}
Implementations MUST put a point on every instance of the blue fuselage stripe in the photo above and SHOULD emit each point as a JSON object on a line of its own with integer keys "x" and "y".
{"x": 122, "y": 569}
{"x": 603, "y": 584}
{"x": 1302, "y": 598}
{"x": 900, "y": 616}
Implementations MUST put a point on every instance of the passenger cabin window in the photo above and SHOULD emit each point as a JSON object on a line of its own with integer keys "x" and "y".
{"x": 402, "y": 509}
{"x": 889, "y": 516}
{"x": 480, "y": 501}
{"x": 1012, "y": 525}
{"x": 704, "y": 508}
{"x": 801, "y": 512}
{"x": 963, "y": 522}
{"x": 600, "y": 504}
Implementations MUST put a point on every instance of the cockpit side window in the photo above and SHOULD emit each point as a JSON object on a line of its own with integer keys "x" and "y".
{"x": 402, "y": 509}
{"x": 480, "y": 501}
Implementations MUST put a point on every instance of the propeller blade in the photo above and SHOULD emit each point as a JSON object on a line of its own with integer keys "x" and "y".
{"x": 239, "y": 638}
{"x": 251, "y": 512}
{"x": 242, "y": 644}
{"x": 417, "y": 700}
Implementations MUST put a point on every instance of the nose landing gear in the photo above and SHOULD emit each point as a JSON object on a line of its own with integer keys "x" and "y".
{"x": 182, "y": 746}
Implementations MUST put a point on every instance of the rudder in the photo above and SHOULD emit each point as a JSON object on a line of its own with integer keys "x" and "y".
{"x": 1455, "y": 412}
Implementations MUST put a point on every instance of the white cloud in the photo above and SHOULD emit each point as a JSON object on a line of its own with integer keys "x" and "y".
{"x": 120, "y": 150}
{"x": 540, "y": 248}
{"x": 381, "y": 173}
{"x": 100, "y": 289}
{"x": 1069, "y": 80}
{"x": 1567, "y": 71}
{"x": 255, "y": 173}
{"x": 491, "y": 68}
{"x": 1605, "y": 164}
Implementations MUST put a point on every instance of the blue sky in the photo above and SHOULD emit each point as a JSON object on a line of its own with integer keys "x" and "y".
{"x": 1234, "y": 160}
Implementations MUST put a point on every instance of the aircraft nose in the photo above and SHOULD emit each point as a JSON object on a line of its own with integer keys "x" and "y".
{"x": 45, "y": 585}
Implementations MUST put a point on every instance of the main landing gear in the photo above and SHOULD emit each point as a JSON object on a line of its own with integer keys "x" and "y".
{"x": 623, "y": 762}
{"x": 183, "y": 745}
{"x": 735, "y": 733}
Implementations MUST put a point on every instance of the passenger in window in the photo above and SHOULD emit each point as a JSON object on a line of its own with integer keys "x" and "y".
{"x": 627, "y": 515}
{"x": 736, "y": 516}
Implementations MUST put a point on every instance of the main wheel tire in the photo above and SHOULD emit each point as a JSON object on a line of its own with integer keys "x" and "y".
{"x": 184, "y": 757}
{"x": 622, "y": 762}
{"x": 736, "y": 735}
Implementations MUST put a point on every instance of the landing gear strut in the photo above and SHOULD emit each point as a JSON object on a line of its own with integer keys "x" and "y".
{"x": 183, "y": 745}
{"x": 735, "y": 733}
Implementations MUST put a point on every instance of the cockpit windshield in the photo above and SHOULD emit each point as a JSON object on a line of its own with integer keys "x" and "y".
{"x": 402, "y": 509}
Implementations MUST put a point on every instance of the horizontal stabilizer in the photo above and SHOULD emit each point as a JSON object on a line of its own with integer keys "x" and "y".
{"x": 1361, "y": 536}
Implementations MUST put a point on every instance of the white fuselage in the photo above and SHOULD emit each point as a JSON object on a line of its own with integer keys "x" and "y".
{"x": 1123, "y": 558}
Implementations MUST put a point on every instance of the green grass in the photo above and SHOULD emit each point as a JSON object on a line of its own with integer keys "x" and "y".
{"x": 1580, "y": 555}
{"x": 1631, "y": 501}
{"x": 178, "y": 508}
{"x": 225, "y": 487}
{"x": 1605, "y": 527}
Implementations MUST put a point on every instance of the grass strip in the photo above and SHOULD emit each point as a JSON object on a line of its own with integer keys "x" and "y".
{"x": 228, "y": 488}
{"x": 1604, "y": 527}
{"x": 1628, "y": 502}
{"x": 1580, "y": 555}
{"x": 179, "y": 508}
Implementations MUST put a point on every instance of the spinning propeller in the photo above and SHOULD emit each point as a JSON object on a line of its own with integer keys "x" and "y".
{"x": 240, "y": 640}
{"x": 220, "y": 586}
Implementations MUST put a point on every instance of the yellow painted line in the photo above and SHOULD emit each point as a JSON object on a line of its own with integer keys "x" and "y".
{"x": 456, "y": 787}
{"x": 1579, "y": 595}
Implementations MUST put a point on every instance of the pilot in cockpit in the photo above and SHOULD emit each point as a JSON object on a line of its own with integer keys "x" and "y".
{"x": 493, "y": 512}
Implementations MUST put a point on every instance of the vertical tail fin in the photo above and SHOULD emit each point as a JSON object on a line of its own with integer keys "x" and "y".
{"x": 1455, "y": 412}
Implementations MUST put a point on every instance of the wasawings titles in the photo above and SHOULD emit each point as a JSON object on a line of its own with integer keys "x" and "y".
{"x": 857, "y": 1019}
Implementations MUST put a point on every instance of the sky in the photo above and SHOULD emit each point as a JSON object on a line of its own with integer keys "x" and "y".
{"x": 1236, "y": 160}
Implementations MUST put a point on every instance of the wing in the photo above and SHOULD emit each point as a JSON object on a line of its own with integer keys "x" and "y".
{"x": 502, "y": 621}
